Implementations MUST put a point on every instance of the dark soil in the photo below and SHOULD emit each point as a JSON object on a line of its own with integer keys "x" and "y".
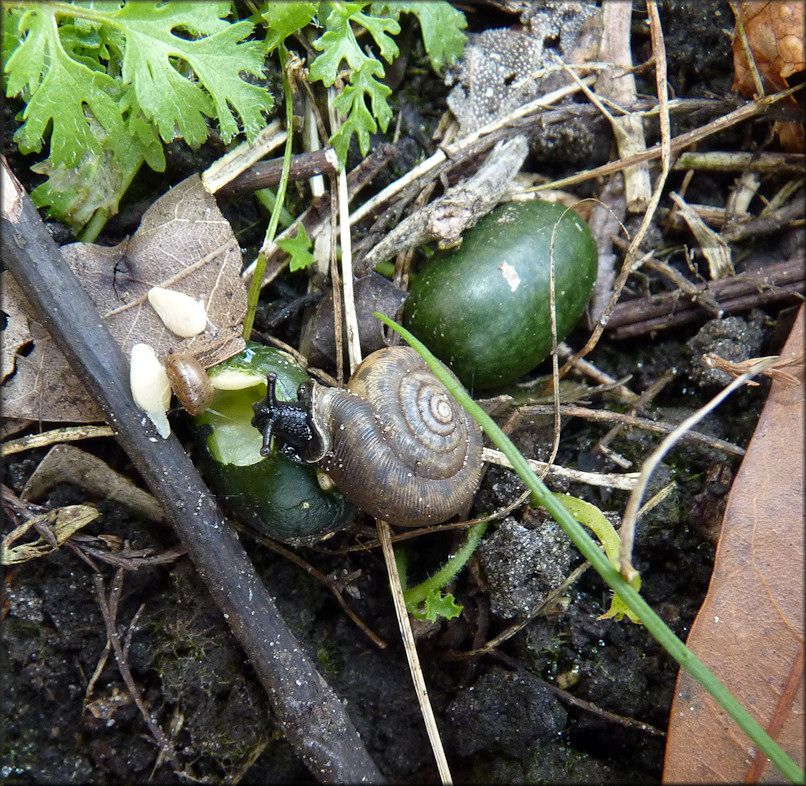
{"x": 500, "y": 719}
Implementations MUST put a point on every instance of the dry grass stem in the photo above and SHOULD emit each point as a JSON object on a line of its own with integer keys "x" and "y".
{"x": 230, "y": 165}
{"x": 719, "y": 161}
{"x": 607, "y": 480}
{"x": 628, "y": 129}
{"x": 459, "y": 150}
{"x": 775, "y": 371}
{"x": 627, "y": 532}
{"x": 385, "y": 537}
{"x": 715, "y": 249}
{"x": 745, "y": 112}
{"x": 659, "y": 53}
{"x": 53, "y": 437}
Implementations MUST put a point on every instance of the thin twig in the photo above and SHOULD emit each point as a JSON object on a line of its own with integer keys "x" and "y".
{"x": 622, "y": 720}
{"x": 278, "y": 548}
{"x": 639, "y": 404}
{"x": 719, "y": 161}
{"x": 621, "y": 481}
{"x": 109, "y": 610}
{"x": 54, "y": 436}
{"x": 773, "y": 283}
{"x": 520, "y": 624}
{"x": 697, "y": 294}
{"x": 588, "y": 369}
{"x": 384, "y": 535}
{"x": 627, "y": 532}
{"x": 457, "y": 149}
{"x": 659, "y": 53}
{"x": 744, "y": 112}
{"x": 571, "y": 410}
{"x": 265, "y": 174}
{"x": 749, "y": 56}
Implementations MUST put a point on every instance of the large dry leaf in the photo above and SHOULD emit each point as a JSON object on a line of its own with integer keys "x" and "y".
{"x": 183, "y": 243}
{"x": 69, "y": 464}
{"x": 775, "y": 36}
{"x": 749, "y": 631}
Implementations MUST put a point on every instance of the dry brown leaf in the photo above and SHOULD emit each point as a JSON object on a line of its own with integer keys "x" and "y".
{"x": 775, "y": 36}
{"x": 69, "y": 464}
{"x": 183, "y": 243}
{"x": 63, "y": 522}
{"x": 749, "y": 631}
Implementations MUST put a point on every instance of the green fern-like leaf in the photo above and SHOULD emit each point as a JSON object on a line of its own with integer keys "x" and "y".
{"x": 104, "y": 82}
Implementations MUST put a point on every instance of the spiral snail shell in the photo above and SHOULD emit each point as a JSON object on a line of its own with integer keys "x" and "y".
{"x": 189, "y": 382}
{"x": 395, "y": 441}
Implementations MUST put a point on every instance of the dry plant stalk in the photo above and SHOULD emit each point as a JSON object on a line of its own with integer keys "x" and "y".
{"x": 774, "y": 371}
{"x": 620, "y": 88}
{"x": 659, "y": 52}
{"x": 384, "y": 530}
{"x": 627, "y": 531}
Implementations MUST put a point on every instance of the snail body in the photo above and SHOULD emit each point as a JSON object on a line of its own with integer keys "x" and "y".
{"x": 395, "y": 441}
{"x": 274, "y": 496}
{"x": 189, "y": 382}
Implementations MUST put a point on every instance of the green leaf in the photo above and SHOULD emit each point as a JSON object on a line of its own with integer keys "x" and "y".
{"x": 593, "y": 518}
{"x": 143, "y": 132}
{"x": 299, "y": 248}
{"x": 378, "y": 26}
{"x": 361, "y": 120}
{"x": 171, "y": 99}
{"x": 218, "y": 62}
{"x": 337, "y": 43}
{"x": 439, "y": 605}
{"x": 285, "y": 19}
{"x": 27, "y": 38}
{"x": 104, "y": 82}
{"x": 441, "y": 26}
{"x": 60, "y": 97}
{"x": 73, "y": 194}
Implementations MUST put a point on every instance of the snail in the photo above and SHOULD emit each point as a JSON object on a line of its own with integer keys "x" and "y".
{"x": 395, "y": 442}
{"x": 189, "y": 382}
{"x": 484, "y": 308}
{"x": 273, "y": 496}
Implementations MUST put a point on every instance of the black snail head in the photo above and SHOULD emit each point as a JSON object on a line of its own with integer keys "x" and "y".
{"x": 290, "y": 422}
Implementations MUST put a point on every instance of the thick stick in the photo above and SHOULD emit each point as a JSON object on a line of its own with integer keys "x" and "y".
{"x": 310, "y": 714}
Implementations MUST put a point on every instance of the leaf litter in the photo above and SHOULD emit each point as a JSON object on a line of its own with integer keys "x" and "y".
{"x": 183, "y": 244}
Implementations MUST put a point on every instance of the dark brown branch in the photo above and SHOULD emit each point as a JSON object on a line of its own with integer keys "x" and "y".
{"x": 310, "y": 714}
{"x": 773, "y": 284}
{"x": 267, "y": 173}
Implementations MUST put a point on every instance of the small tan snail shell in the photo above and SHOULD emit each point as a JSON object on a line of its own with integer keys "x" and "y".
{"x": 189, "y": 382}
{"x": 395, "y": 442}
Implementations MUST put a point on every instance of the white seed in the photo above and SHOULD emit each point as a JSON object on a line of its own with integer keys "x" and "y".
{"x": 151, "y": 389}
{"x": 180, "y": 313}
